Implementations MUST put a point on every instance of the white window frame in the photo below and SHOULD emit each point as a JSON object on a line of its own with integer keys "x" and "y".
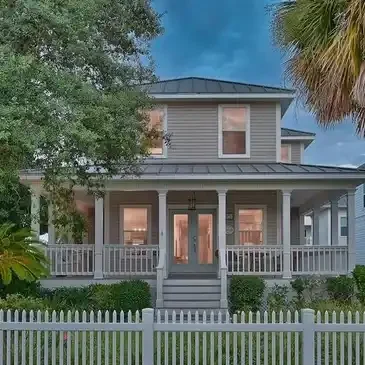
{"x": 237, "y": 208}
{"x": 220, "y": 131}
{"x": 121, "y": 222}
{"x": 340, "y": 216}
{"x": 164, "y": 126}
{"x": 289, "y": 152}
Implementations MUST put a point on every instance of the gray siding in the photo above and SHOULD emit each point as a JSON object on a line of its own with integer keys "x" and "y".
{"x": 267, "y": 198}
{"x": 360, "y": 225}
{"x": 194, "y": 132}
{"x": 295, "y": 153}
{"x": 294, "y": 226}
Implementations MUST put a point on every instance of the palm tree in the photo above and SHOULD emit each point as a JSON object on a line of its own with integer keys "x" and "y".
{"x": 20, "y": 255}
{"x": 325, "y": 44}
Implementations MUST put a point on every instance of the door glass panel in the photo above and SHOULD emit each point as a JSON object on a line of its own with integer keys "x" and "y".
{"x": 205, "y": 234}
{"x": 181, "y": 241}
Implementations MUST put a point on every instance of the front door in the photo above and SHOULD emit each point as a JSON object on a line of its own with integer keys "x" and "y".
{"x": 192, "y": 241}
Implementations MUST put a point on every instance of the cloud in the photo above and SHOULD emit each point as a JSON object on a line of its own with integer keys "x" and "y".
{"x": 339, "y": 144}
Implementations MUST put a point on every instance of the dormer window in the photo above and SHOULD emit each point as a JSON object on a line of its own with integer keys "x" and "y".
{"x": 157, "y": 120}
{"x": 286, "y": 153}
{"x": 234, "y": 131}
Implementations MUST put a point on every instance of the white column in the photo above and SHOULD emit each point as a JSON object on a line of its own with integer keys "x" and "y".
{"x": 351, "y": 243}
{"x": 162, "y": 262}
{"x": 222, "y": 195}
{"x": 99, "y": 237}
{"x": 301, "y": 230}
{"x": 334, "y": 222}
{"x": 107, "y": 218}
{"x": 315, "y": 226}
{"x": 286, "y": 207}
{"x": 35, "y": 212}
{"x": 51, "y": 226}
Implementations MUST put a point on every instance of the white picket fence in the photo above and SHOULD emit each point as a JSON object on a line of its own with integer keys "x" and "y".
{"x": 305, "y": 338}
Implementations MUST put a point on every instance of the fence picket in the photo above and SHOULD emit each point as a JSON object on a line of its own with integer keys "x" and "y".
{"x": 342, "y": 340}
{"x": 16, "y": 340}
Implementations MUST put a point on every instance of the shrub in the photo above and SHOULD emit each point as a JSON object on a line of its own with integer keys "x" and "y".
{"x": 307, "y": 288}
{"x": 69, "y": 298}
{"x": 20, "y": 302}
{"x": 341, "y": 288}
{"x": 359, "y": 276}
{"x": 127, "y": 295}
{"x": 246, "y": 293}
{"x": 277, "y": 298}
{"x": 17, "y": 286}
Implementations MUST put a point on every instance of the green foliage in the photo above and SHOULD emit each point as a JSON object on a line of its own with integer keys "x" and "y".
{"x": 277, "y": 298}
{"x": 69, "y": 298}
{"x": 341, "y": 288}
{"x": 69, "y": 106}
{"x": 359, "y": 276}
{"x": 17, "y": 286}
{"x": 20, "y": 255}
{"x": 20, "y": 302}
{"x": 246, "y": 293}
{"x": 307, "y": 288}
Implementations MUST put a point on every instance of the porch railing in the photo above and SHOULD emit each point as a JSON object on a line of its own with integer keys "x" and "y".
{"x": 130, "y": 260}
{"x": 76, "y": 260}
{"x": 319, "y": 260}
{"x": 246, "y": 260}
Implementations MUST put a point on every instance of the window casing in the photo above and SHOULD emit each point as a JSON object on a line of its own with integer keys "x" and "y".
{"x": 234, "y": 131}
{"x": 251, "y": 225}
{"x": 158, "y": 121}
{"x": 286, "y": 153}
{"x": 135, "y": 225}
{"x": 343, "y": 226}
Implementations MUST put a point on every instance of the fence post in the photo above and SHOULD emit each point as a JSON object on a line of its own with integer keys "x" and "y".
{"x": 148, "y": 350}
{"x": 308, "y": 336}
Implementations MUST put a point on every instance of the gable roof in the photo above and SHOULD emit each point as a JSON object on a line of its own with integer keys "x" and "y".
{"x": 200, "y": 85}
{"x": 287, "y": 132}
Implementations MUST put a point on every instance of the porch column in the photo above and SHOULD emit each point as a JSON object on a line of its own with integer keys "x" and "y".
{"x": 301, "y": 229}
{"x": 51, "y": 226}
{"x": 351, "y": 243}
{"x": 286, "y": 233}
{"x": 222, "y": 273}
{"x": 107, "y": 218}
{"x": 99, "y": 237}
{"x": 334, "y": 222}
{"x": 162, "y": 206}
{"x": 35, "y": 212}
{"x": 315, "y": 226}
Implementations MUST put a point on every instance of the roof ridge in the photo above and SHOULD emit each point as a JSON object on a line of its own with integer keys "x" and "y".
{"x": 219, "y": 80}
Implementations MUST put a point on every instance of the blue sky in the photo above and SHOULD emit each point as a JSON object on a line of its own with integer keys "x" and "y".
{"x": 231, "y": 40}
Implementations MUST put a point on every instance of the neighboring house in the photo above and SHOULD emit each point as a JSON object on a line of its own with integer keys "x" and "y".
{"x": 228, "y": 197}
{"x": 360, "y": 222}
{"x": 325, "y": 224}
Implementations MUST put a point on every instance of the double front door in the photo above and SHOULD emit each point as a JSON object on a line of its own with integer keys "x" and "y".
{"x": 192, "y": 241}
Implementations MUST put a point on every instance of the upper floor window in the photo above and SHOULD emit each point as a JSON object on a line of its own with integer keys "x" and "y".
{"x": 250, "y": 226}
{"x": 135, "y": 225}
{"x": 343, "y": 226}
{"x": 234, "y": 131}
{"x": 286, "y": 153}
{"x": 157, "y": 120}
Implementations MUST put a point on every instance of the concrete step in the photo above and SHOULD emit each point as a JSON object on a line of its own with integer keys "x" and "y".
{"x": 191, "y": 282}
{"x": 191, "y": 296}
{"x": 191, "y": 289}
{"x": 180, "y": 304}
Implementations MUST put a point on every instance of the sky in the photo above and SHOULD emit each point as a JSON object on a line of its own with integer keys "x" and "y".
{"x": 231, "y": 40}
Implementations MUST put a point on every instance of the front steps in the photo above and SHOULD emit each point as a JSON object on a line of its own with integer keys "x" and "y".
{"x": 194, "y": 295}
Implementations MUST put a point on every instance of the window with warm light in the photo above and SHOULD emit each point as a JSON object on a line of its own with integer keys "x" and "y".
{"x": 156, "y": 120}
{"x": 135, "y": 226}
{"x": 234, "y": 131}
{"x": 285, "y": 153}
{"x": 251, "y": 226}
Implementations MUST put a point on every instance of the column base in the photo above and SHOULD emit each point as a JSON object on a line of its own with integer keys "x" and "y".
{"x": 287, "y": 275}
{"x": 159, "y": 303}
{"x": 98, "y": 275}
{"x": 224, "y": 303}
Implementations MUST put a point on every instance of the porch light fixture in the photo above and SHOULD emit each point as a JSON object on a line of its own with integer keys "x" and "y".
{"x": 192, "y": 202}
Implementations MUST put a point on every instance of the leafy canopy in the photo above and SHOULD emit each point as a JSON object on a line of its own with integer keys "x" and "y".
{"x": 68, "y": 106}
{"x": 324, "y": 42}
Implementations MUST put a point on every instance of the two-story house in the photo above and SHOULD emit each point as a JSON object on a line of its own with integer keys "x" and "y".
{"x": 228, "y": 197}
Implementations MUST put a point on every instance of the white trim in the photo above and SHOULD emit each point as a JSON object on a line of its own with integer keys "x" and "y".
{"x": 186, "y": 206}
{"x": 237, "y": 207}
{"x": 247, "y": 131}
{"x": 225, "y": 96}
{"x": 121, "y": 221}
{"x": 278, "y": 217}
{"x": 298, "y": 138}
{"x": 164, "y": 127}
{"x": 301, "y": 152}
{"x": 289, "y": 152}
{"x": 278, "y": 132}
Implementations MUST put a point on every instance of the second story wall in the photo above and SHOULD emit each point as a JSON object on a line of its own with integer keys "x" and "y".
{"x": 194, "y": 132}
